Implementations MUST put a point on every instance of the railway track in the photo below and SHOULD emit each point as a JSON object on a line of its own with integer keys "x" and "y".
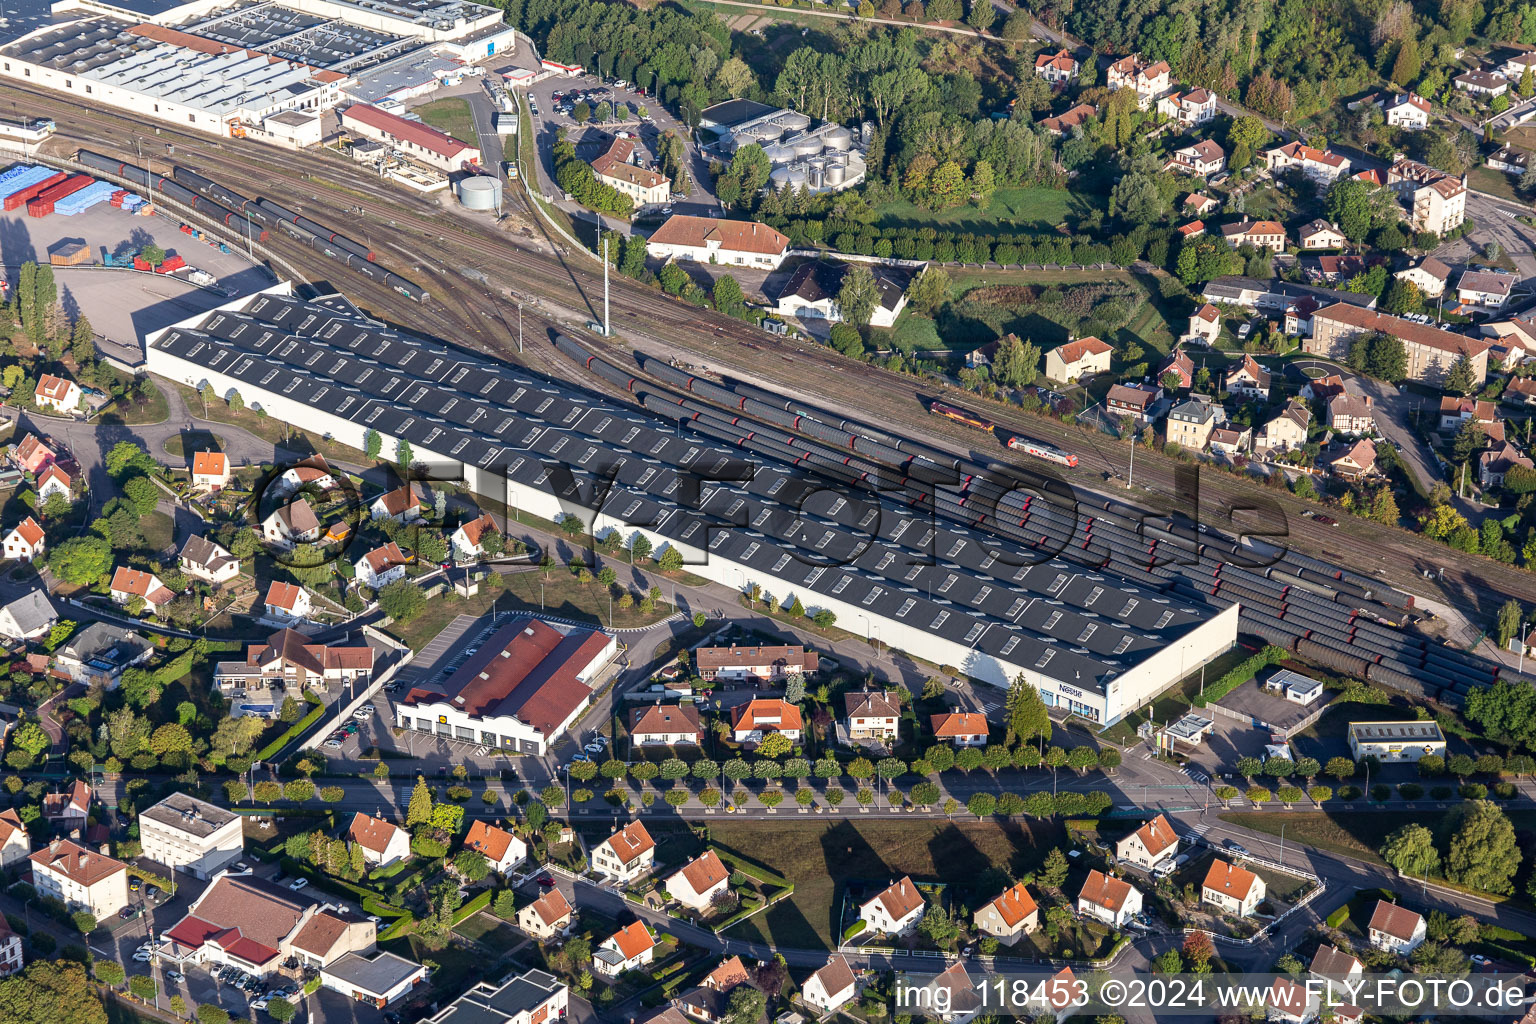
{"x": 468, "y": 261}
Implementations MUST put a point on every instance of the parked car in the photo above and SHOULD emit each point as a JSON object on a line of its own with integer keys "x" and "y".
{"x": 176, "y": 976}
{"x": 1233, "y": 846}
{"x": 298, "y": 883}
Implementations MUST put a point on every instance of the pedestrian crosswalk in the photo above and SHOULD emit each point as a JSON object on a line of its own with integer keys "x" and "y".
{"x": 1198, "y": 829}
{"x": 1196, "y": 774}
{"x": 989, "y": 706}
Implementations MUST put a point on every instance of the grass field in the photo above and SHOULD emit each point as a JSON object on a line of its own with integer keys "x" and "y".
{"x": 1009, "y": 210}
{"x": 130, "y": 411}
{"x": 1353, "y": 835}
{"x": 975, "y": 858}
{"x": 451, "y": 116}
{"x": 489, "y": 930}
{"x": 1496, "y": 183}
{"x": 195, "y": 440}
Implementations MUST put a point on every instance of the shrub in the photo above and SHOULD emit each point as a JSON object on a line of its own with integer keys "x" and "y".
{"x": 857, "y": 928}
{"x": 1259, "y": 795}
{"x": 1381, "y": 793}
{"x": 1338, "y": 917}
{"x": 1349, "y": 793}
{"x": 1320, "y": 793}
{"x": 1410, "y": 790}
{"x": 1504, "y": 790}
{"x": 1474, "y": 791}
{"x": 1441, "y": 792}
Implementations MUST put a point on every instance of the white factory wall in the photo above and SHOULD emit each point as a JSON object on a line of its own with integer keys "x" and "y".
{"x": 124, "y": 99}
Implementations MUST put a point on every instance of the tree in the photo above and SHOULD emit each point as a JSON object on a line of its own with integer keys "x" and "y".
{"x": 859, "y": 295}
{"x": 208, "y": 1013}
{"x": 671, "y": 559}
{"x": 1054, "y": 871}
{"x": 1483, "y": 852}
{"x": 267, "y": 791}
{"x": 281, "y": 1010}
{"x": 1506, "y": 711}
{"x": 142, "y": 494}
{"x": 983, "y": 805}
{"x": 401, "y": 600}
{"x": 1411, "y": 850}
{"x": 1459, "y": 379}
{"x": 1403, "y": 296}
{"x": 1017, "y": 362}
{"x": 744, "y": 1005}
{"x": 420, "y": 808}
{"x": 1028, "y": 717}
{"x": 81, "y": 560}
{"x": 471, "y": 865}
{"x": 727, "y": 296}
{"x": 930, "y": 290}
{"x": 982, "y": 15}
{"x": 938, "y": 925}
{"x": 775, "y": 745}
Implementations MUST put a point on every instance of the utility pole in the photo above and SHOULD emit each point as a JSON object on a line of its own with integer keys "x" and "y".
{"x": 607, "y": 323}
{"x": 1131, "y": 472}
{"x": 519, "y": 328}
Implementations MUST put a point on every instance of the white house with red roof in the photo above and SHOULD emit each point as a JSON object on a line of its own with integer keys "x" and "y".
{"x": 1149, "y": 846}
{"x": 1261, "y": 234}
{"x": 25, "y": 541}
{"x": 1077, "y": 359}
{"x": 1287, "y": 1002}
{"x": 699, "y": 881}
{"x": 758, "y": 717}
{"x": 502, "y": 850}
{"x": 1232, "y": 888}
{"x": 383, "y": 842}
{"x": 1406, "y": 110}
{"x": 1111, "y": 900}
{"x": 1147, "y": 80}
{"x": 15, "y": 846}
{"x": 468, "y": 541}
{"x": 1395, "y": 928}
{"x": 53, "y": 480}
{"x": 1317, "y": 164}
{"x": 962, "y": 728}
{"x": 895, "y": 910}
{"x": 210, "y": 471}
{"x": 418, "y": 141}
{"x": 288, "y": 602}
{"x": 627, "y": 949}
{"x": 57, "y": 394}
{"x": 1204, "y": 325}
{"x": 741, "y": 243}
{"x": 81, "y": 879}
{"x": 1010, "y": 916}
{"x": 831, "y": 986}
{"x": 1194, "y": 107}
{"x": 519, "y": 692}
{"x": 313, "y": 473}
{"x": 628, "y": 854}
{"x": 1057, "y": 68}
{"x": 128, "y": 584}
{"x": 403, "y": 504}
{"x": 547, "y": 916}
{"x": 1203, "y": 158}
{"x": 383, "y": 565}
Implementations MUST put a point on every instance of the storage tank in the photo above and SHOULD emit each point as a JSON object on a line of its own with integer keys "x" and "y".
{"x": 806, "y": 145}
{"x": 759, "y": 133}
{"x": 787, "y": 177}
{"x": 839, "y": 138}
{"x": 778, "y": 153}
{"x": 792, "y": 121}
{"x": 835, "y": 173}
{"x": 867, "y": 132}
{"x": 816, "y": 169}
{"x": 479, "y": 192}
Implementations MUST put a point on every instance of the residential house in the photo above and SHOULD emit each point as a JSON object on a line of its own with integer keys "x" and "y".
{"x": 207, "y": 560}
{"x": 1395, "y": 928}
{"x": 1110, "y": 900}
{"x": 616, "y": 169}
{"x": 1351, "y": 414}
{"x": 1204, "y": 324}
{"x": 628, "y": 854}
{"x": 1232, "y": 889}
{"x": 1076, "y": 360}
{"x": 1179, "y": 364}
{"x": 81, "y": 879}
{"x": 128, "y": 584}
{"x": 1287, "y": 1002}
{"x": 1203, "y": 158}
{"x": 1429, "y": 274}
{"x": 1138, "y": 401}
{"x": 1457, "y": 412}
{"x": 403, "y": 504}
{"x": 812, "y": 292}
{"x": 1319, "y": 234}
{"x": 1521, "y": 391}
{"x": 1057, "y": 68}
{"x": 11, "y": 956}
{"x": 1509, "y": 160}
{"x": 29, "y": 616}
{"x": 1194, "y": 107}
{"x": 1190, "y": 423}
{"x": 665, "y": 725}
{"x": 1009, "y": 917}
{"x": 1436, "y": 201}
{"x": 288, "y": 602}
{"x": 751, "y": 721}
{"x": 53, "y": 480}
{"x": 1318, "y": 165}
{"x": 1074, "y": 118}
{"x": 699, "y": 881}
{"x": 1483, "y": 83}
{"x": 291, "y": 661}
{"x": 1323, "y": 389}
{"x": 32, "y": 454}
{"x": 1194, "y": 229}
{"x": 191, "y": 835}
{"x": 502, "y": 850}
{"x": 469, "y": 540}
{"x": 1230, "y": 441}
{"x": 1330, "y": 963}
{"x": 69, "y": 808}
{"x": 293, "y": 524}
{"x": 1261, "y": 234}
{"x": 832, "y": 986}
{"x": 25, "y": 541}
{"x": 1287, "y": 430}
{"x": 1515, "y": 67}
{"x": 1150, "y": 845}
{"x": 1200, "y": 204}
{"x": 210, "y": 471}
{"x": 1486, "y": 288}
{"x": 381, "y": 566}
{"x": 1409, "y": 111}
{"x": 1513, "y": 340}
{"x": 378, "y": 979}
{"x": 709, "y": 1000}
{"x": 312, "y": 474}
{"x": 101, "y": 653}
{"x": 752, "y": 664}
{"x": 1148, "y": 81}
{"x": 1247, "y": 379}
{"x": 58, "y": 394}
{"x": 895, "y": 910}
{"x": 962, "y": 728}
{"x": 545, "y": 917}
{"x": 1494, "y": 463}
{"x": 627, "y": 949}
{"x": 1430, "y": 350}
{"x": 872, "y": 714}
{"x": 952, "y": 995}
{"x": 739, "y": 243}
{"x": 383, "y": 842}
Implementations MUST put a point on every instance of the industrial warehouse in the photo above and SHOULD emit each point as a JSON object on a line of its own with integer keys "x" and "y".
{"x": 1069, "y": 602}
{"x": 247, "y": 69}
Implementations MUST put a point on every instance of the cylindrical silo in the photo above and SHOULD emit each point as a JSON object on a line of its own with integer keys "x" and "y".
{"x": 778, "y": 153}
{"x": 787, "y": 177}
{"x": 479, "y": 192}
{"x": 806, "y": 145}
{"x": 835, "y": 173}
{"x": 792, "y": 120}
{"x": 839, "y": 138}
{"x": 816, "y": 169}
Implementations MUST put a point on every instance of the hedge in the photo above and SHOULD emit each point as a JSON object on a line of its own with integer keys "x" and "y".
{"x": 857, "y": 928}
{"x": 1338, "y": 917}
{"x": 295, "y": 731}
{"x": 1239, "y": 675}
{"x": 756, "y": 871}
{"x": 473, "y": 907}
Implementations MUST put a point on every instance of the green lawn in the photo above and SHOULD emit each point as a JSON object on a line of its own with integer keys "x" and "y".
{"x": 974, "y": 857}
{"x": 201, "y": 440}
{"x": 131, "y": 411}
{"x": 1494, "y": 182}
{"x": 1357, "y": 835}
{"x": 1009, "y": 210}
{"x": 451, "y": 116}
{"x": 489, "y": 930}
{"x": 159, "y": 530}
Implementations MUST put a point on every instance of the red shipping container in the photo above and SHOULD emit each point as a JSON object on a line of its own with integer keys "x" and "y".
{"x": 172, "y": 262}
{"x": 139, "y": 263}
{"x": 42, "y": 206}
{"x": 16, "y": 199}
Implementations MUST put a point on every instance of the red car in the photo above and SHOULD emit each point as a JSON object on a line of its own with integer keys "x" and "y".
{"x": 546, "y": 882}
{"x": 1326, "y": 520}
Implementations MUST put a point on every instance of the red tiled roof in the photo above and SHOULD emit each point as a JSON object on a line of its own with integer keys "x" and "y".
{"x": 633, "y": 940}
{"x": 30, "y": 533}
{"x": 630, "y": 842}
{"x": 960, "y": 723}
{"x": 140, "y": 584}
{"x": 900, "y": 899}
{"x": 663, "y": 720}
{"x": 1157, "y": 835}
{"x": 1229, "y": 879}
{"x": 75, "y": 862}
{"x": 766, "y": 713}
{"x": 1014, "y": 905}
{"x": 475, "y": 529}
{"x": 732, "y": 235}
{"x": 56, "y": 388}
{"x": 401, "y": 499}
{"x": 1104, "y": 891}
{"x": 414, "y": 132}
{"x": 1407, "y": 330}
{"x": 1073, "y": 351}
{"x": 371, "y": 833}
{"x": 283, "y": 595}
{"x": 705, "y": 872}
{"x": 552, "y": 907}
{"x": 1061, "y": 61}
{"x": 1398, "y": 922}
{"x": 381, "y": 559}
{"x": 210, "y": 464}
{"x": 489, "y": 840}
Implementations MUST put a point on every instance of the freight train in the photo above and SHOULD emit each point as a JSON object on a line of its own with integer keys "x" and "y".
{"x": 964, "y": 416}
{"x": 252, "y": 218}
{"x": 1335, "y": 617}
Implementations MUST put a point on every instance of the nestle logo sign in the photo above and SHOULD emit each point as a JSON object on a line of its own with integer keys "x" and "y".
{"x": 1070, "y": 691}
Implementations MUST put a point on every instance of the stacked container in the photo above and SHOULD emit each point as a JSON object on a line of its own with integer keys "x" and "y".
{"x": 44, "y": 204}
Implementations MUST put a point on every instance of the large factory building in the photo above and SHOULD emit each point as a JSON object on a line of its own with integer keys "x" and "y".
{"x": 1092, "y": 642}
